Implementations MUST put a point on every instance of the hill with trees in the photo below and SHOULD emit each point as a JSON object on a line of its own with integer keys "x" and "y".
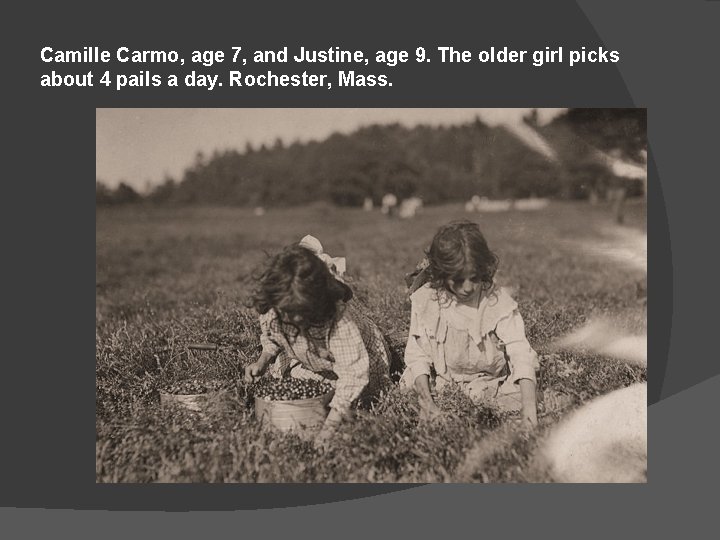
{"x": 437, "y": 164}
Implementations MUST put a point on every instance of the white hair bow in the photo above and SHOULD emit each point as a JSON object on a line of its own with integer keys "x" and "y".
{"x": 335, "y": 264}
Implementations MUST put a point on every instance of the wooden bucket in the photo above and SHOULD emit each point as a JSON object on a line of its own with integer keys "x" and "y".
{"x": 298, "y": 415}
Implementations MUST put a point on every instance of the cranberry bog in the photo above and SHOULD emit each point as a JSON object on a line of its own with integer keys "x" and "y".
{"x": 170, "y": 277}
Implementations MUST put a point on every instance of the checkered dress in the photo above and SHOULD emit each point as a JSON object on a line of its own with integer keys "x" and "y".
{"x": 349, "y": 351}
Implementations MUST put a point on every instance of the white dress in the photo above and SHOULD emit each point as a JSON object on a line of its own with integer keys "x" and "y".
{"x": 484, "y": 350}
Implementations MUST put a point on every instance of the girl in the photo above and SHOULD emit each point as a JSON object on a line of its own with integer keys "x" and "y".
{"x": 466, "y": 328}
{"x": 310, "y": 333}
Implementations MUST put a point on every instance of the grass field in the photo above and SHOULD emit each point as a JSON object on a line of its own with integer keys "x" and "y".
{"x": 169, "y": 277}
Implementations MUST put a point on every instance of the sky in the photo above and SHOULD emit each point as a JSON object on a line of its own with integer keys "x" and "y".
{"x": 142, "y": 146}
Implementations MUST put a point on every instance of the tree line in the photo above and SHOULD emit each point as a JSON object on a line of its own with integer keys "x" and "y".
{"x": 437, "y": 164}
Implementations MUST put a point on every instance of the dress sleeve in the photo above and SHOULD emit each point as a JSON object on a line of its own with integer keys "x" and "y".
{"x": 268, "y": 338}
{"x": 523, "y": 359}
{"x": 352, "y": 363}
{"x": 417, "y": 360}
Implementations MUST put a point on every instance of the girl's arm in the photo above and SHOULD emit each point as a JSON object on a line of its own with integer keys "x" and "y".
{"x": 268, "y": 330}
{"x": 428, "y": 407}
{"x": 257, "y": 368}
{"x": 523, "y": 362}
{"x": 270, "y": 349}
{"x": 418, "y": 363}
{"x": 351, "y": 365}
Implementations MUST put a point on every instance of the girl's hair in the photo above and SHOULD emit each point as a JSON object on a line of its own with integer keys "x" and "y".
{"x": 297, "y": 282}
{"x": 455, "y": 247}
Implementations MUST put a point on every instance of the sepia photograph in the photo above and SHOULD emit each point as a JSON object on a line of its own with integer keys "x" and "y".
{"x": 364, "y": 295}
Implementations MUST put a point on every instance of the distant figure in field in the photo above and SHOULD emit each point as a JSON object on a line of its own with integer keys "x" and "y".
{"x": 467, "y": 330}
{"x": 530, "y": 204}
{"x": 409, "y": 207}
{"x": 309, "y": 333}
{"x": 368, "y": 204}
{"x": 389, "y": 205}
{"x": 622, "y": 171}
{"x": 483, "y": 204}
{"x": 616, "y": 194}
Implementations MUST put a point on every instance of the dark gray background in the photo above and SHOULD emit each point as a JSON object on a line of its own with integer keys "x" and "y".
{"x": 669, "y": 57}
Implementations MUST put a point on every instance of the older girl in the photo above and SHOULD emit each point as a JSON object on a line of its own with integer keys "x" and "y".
{"x": 468, "y": 330}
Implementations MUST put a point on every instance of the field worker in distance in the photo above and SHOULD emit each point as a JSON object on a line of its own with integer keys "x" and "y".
{"x": 467, "y": 329}
{"x": 310, "y": 332}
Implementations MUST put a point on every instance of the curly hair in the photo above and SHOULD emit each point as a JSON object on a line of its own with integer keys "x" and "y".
{"x": 297, "y": 282}
{"x": 455, "y": 247}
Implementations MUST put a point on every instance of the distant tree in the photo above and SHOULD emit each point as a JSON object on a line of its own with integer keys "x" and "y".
{"x": 164, "y": 192}
{"x": 125, "y": 194}
{"x": 528, "y": 174}
{"x": 438, "y": 164}
{"x": 350, "y": 190}
{"x": 103, "y": 194}
{"x": 122, "y": 194}
{"x": 531, "y": 118}
{"x": 581, "y": 137}
{"x": 611, "y": 129}
{"x": 585, "y": 179}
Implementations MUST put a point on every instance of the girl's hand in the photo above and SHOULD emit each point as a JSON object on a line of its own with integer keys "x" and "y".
{"x": 254, "y": 371}
{"x": 529, "y": 419}
{"x": 323, "y": 438}
{"x": 429, "y": 411}
{"x": 257, "y": 368}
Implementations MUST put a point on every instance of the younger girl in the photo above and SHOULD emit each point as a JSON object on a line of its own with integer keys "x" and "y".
{"x": 466, "y": 328}
{"x": 310, "y": 333}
